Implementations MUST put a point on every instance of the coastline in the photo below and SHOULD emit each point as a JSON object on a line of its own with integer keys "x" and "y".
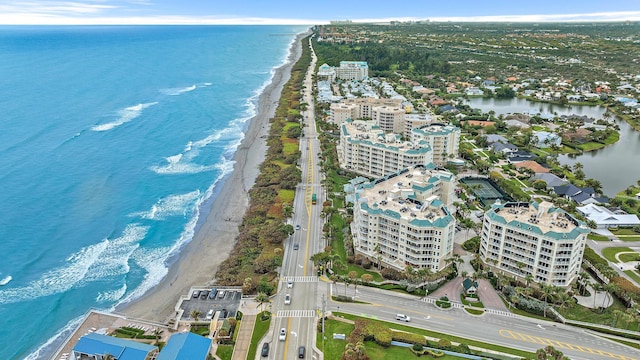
{"x": 199, "y": 260}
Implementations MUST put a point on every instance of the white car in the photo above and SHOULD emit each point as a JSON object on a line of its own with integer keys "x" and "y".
{"x": 287, "y": 299}
{"x": 289, "y": 284}
{"x": 210, "y": 315}
{"x": 283, "y": 334}
{"x": 403, "y": 317}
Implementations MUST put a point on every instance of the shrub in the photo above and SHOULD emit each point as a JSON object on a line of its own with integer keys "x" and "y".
{"x": 409, "y": 338}
{"x": 383, "y": 337}
{"x": 444, "y": 343}
{"x": 417, "y": 347}
{"x": 391, "y": 274}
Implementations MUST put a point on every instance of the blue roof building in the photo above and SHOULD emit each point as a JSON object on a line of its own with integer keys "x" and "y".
{"x": 186, "y": 346}
{"x": 95, "y": 346}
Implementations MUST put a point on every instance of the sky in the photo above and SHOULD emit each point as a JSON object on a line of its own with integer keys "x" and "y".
{"x": 305, "y": 12}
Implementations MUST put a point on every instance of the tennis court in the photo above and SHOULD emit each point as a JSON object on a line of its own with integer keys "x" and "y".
{"x": 484, "y": 190}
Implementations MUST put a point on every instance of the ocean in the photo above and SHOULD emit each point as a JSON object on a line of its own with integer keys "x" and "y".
{"x": 111, "y": 140}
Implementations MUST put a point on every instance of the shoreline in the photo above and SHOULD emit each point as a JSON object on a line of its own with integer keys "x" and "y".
{"x": 199, "y": 260}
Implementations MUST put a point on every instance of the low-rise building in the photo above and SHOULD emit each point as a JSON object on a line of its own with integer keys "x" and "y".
{"x": 185, "y": 346}
{"x": 403, "y": 219}
{"x": 605, "y": 218}
{"x": 94, "y": 346}
{"x": 531, "y": 239}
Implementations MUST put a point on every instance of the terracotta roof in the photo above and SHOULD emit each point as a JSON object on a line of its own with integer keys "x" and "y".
{"x": 532, "y": 165}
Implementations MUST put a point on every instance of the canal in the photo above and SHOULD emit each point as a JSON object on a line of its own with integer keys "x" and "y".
{"x": 616, "y": 166}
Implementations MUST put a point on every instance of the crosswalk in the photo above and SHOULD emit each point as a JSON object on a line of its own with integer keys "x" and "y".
{"x": 296, "y": 313}
{"x": 301, "y": 279}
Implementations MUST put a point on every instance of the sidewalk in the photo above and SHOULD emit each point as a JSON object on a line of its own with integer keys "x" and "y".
{"x": 243, "y": 341}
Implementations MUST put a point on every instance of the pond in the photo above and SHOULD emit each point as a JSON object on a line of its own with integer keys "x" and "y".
{"x": 616, "y": 166}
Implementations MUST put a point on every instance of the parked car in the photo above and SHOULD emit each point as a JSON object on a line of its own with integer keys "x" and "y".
{"x": 196, "y": 293}
{"x": 210, "y": 314}
{"x": 283, "y": 334}
{"x": 265, "y": 350}
{"x": 221, "y": 294}
{"x": 403, "y": 317}
{"x": 213, "y": 293}
{"x": 287, "y": 299}
{"x": 204, "y": 294}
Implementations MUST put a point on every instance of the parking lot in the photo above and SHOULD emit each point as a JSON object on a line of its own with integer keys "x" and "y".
{"x": 226, "y": 301}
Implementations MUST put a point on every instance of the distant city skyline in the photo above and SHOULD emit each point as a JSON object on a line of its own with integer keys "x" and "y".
{"x": 15, "y": 12}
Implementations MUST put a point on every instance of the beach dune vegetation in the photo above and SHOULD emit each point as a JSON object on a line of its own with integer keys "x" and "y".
{"x": 263, "y": 227}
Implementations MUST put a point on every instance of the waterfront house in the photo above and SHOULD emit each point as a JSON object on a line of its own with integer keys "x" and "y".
{"x": 544, "y": 139}
{"x": 531, "y": 165}
{"x": 493, "y": 138}
{"x": 550, "y": 179}
{"x": 507, "y": 148}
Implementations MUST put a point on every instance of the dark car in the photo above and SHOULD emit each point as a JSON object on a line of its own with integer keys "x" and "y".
{"x": 265, "y": 350}
{"x": 301, "y": 351}
{"x": 204, "y": 294}
{"x": 296, "y": 246}
{"x": 223, "y": 313}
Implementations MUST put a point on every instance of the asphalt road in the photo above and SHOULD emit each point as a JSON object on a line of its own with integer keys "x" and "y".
{"x": 299, "y": 317}
{"x": 514, "y": 332}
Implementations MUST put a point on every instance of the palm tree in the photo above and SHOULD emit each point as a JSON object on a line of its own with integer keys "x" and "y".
{"x": 261, "y": 299}
{"x": 596, "y": 288}
{"x": 353, "y": 278}
{"x": 547, "y": 293}
{"x": 195, "y": 314}
{"x": 157, "y": 332}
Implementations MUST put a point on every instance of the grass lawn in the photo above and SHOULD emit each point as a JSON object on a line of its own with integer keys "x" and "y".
{"x": 375, "y": 352}
{"x": 610, "y": 253}
{"x": 337, "y": 247}
{"x": 290, "y": 146}
{"x": 289, "y": 125}
{"x": 581, "y": 313}
{"x": 624, "y": 232}
{"x": 225, "y": 352}
{"x": 628, "y": 257}
{"x": 286, "y": 196}
{"x": 434, "y": 334}
{"x": 629, "y": 238}
{"x": 597, "y": 237}
{"x": 259, "y": 330}
{"x": 634, "y": 275}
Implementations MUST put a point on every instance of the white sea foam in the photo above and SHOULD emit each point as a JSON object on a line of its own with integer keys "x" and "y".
{"x": 124, "y": 116}
{"x": 44, "y": 349}
{"x": 93, "y": 262}
{"x": 178, "y": 91}
{"x": 113, "y": 295}
{"x": 6, "y": 280}
{"x": 173, "y": 205}
{"x": 153, "y": 262}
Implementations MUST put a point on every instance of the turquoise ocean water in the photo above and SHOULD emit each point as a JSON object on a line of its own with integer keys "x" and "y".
{"x": 111, "y": 140}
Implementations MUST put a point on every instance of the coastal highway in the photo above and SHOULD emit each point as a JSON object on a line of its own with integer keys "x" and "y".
{"x": 514, "y": 332}
{"x": 299, "y": 316}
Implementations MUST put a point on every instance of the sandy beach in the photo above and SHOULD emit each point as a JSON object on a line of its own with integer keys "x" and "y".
{"x": 200, "y": 259}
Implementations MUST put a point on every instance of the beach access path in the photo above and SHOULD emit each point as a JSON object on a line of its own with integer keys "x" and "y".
{"x": 198, "y": 262}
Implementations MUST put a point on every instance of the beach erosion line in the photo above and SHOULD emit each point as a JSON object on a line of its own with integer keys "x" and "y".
{"x": 198, "y": 261}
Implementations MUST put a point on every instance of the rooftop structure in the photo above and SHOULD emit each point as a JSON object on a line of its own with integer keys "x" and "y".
{"x": 522, "y": 239}
{"x": 403, "y": 219}
{"x": 94, "y": 346}
{"x": 185, "y": 346}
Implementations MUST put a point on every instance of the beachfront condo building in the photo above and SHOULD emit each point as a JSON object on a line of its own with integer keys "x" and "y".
{"x": 361, "y": 108}
{"x": 412, "y": 121}
{"x": 403, "y": 219}
{"x": 533, "y": 241}
{"x": 348, "y": 70}
{"x": 352, "y": 70}
{"x": 366, "y": 149}
{"x": 389, "y": 118}
{"x": 443, "y": 139}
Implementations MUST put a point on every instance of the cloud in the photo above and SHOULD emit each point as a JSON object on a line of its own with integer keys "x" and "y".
{"x": 64, "y": 8}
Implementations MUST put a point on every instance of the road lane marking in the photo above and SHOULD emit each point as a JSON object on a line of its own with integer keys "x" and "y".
{"x": 296, "y": 313}
{"x": 514, "y": 335}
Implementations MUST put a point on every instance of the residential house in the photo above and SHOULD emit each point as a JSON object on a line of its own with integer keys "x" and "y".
{"x": 531, "y": 165}
{"x": 581, "y": 196}
{"x": 517, "y": 123}
{"x": 519, "y": 156}
{"x": 507, "y": 148}
{"x": 605, "y": 218}
{"x": 552, "y": 180}
{"x": 493, "y": 138}
{"x": 474, "y": 91}
{"x": 579, "y": 135}
{"x": 544, "y": 139}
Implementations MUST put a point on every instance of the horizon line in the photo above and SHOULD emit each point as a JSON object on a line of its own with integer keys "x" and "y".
{"x": 47, "y": 19}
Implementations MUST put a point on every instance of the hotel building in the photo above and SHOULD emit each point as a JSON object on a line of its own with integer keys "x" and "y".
{"x": 521, "y": 239}
{"x": 403, "y": 219}
{"x": 364, "y": 148}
